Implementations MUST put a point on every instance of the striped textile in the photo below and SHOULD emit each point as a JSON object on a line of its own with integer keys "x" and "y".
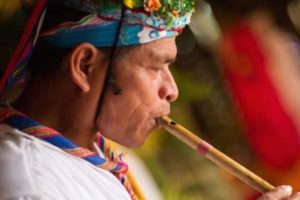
{"x": 112, "y": 163}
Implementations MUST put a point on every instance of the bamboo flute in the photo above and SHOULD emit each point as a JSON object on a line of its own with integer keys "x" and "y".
{"x": 216, "y": 156}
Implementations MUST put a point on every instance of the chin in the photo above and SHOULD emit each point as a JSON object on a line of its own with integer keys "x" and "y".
{"x": 134, "y": 143}
{"x": 138, "y": 139}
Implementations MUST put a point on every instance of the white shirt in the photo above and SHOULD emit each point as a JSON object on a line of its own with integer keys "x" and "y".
{"x": 31, "y": 169}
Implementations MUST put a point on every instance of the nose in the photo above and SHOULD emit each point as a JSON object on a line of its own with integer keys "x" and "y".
{"x": 168, "y": 90}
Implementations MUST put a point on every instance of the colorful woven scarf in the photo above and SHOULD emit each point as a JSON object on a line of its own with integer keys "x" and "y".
{"x": 112, "y": 163}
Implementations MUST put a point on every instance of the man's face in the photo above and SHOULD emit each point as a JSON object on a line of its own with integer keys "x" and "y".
{"x": 147, "y": 88}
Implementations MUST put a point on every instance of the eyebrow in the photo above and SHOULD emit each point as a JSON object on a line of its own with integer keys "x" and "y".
{"x": 164, "y": 57}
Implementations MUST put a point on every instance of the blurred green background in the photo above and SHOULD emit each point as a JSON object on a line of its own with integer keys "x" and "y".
{"x": 204, "y": 105}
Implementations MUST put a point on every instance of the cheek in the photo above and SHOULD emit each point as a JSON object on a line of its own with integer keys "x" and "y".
{"x": 134, "y": 110}
{"x": 130, "y": 115}
{"x": 142, "y": 89}
{"x": 106, "y": 117}
{"x": 127, "y": 126}
{"x": 123, "y": 113}
{"x": 148, "y": 85}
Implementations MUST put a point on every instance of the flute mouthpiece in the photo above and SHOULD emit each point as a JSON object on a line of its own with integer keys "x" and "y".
{"x": 165, "y": 120}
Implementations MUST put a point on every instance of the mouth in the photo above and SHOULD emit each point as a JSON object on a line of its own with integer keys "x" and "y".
{"x": 158, "y": 120}
{"x": 157, "y": 124}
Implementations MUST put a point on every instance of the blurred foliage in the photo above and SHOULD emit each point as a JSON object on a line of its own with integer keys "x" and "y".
{"x": 11, "y": 24}
{"x": 227, "y": 11}
{"x": 8, "y": 8}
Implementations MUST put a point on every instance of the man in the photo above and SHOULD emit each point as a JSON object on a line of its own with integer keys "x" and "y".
{"x": 82, "y": 84}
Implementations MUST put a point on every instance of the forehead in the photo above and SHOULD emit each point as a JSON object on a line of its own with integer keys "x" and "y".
{"x": 160, "y": 50}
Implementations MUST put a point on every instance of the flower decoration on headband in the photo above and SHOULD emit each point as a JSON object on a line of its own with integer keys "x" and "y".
{"x": 149, "y": 5}
{"x": 133, "y": 3}
{"x": 152, "y": 5}
{"x": 160, "y": 14}
{"x": 167, "y": 10}
{"x": 162, "y": 7}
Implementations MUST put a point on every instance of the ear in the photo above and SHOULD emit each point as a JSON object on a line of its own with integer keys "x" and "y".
{"x": 83, "y": 59}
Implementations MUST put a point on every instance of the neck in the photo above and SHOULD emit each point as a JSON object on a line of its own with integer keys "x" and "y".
{"x": 61, "y": 109}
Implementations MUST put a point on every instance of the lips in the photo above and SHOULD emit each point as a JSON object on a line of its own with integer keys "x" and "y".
{"x": 157, "y": 124}
{"x": 157, "y": 119}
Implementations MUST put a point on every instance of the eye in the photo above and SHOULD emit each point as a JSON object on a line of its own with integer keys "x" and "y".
{"x": 155, "y": 68}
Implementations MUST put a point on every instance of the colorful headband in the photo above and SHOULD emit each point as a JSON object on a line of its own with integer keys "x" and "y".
{"x": 143, "y": 21}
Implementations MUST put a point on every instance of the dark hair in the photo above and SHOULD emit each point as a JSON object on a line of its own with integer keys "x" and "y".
{"x": 46, "y": 58}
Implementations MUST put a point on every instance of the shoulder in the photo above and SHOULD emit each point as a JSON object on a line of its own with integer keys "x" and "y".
{"x": 14, "y": 144}
{"x": 29, "y": 165}
{"x": 15, "y": 174}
